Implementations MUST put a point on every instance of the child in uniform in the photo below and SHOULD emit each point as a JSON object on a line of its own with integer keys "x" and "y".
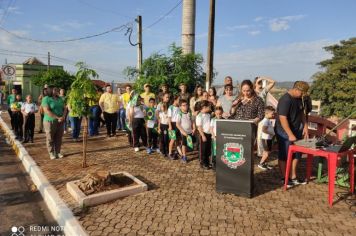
{"x": 203, "y": 124}
{"x": 173, "y": 111}
{"x": 218, "y": 115}
{"x": 28, "y": 110}
{"x": 151, "y": 126}
{"x": 17, "y": 117}
{"x": 186, "y": 127}
{"x": 163, "y": 128}
{"x": 137, "y": 118}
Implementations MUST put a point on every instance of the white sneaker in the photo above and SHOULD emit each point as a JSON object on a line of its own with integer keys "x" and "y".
{"x": 60, "y": 155}
{"x": 137, "y": 149}
{"x": 52, "y": 156}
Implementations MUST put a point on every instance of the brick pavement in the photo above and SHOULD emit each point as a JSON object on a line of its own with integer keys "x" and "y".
{"x": 182, "y": 200}
{"x": 16, "y": 195}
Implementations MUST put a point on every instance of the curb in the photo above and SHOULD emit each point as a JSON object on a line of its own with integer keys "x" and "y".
{"x": 59, "y": 210}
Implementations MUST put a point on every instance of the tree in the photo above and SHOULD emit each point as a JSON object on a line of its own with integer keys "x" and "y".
{"x": 336, "y": 85}
{"x": 82, "y": 91}
{"x": 56, "y": 77}
{"x": 173, "y": 69}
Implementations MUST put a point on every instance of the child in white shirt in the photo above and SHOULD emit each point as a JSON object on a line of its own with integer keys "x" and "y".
{"x": 266, "y": 137}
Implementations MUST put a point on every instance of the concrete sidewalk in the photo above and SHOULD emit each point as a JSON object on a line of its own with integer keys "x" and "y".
{"x": 21, "y": 205}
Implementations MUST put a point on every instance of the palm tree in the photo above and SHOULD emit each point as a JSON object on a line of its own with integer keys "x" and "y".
{"x": 83, "y": 91}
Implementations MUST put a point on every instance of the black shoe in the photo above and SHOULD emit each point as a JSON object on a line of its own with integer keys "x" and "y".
{"x": 31, "y": 141}
{"x": 206, "y": 167}
{"x": 25, "y": 141}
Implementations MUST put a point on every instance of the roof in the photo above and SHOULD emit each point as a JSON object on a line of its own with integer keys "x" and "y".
{"x": 33, "y": 61}
{"x": 99, "y": 83}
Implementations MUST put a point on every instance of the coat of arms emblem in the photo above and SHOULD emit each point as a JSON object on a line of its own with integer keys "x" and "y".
{"x": 233, "y": 155}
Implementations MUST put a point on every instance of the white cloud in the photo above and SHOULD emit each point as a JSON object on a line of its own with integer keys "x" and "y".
{"x": 284, "y": 63}
{"x": 259, "y": 18}
{"x": 283, "y": 23}
{"x": 254, "y": 32}
{"x": 67, "y": 26}
{"x": 237, "y": 27}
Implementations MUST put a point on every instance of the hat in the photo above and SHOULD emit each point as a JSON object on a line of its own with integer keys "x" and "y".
{"x": 147, "y": 85}
{"x": 302, "y": 86}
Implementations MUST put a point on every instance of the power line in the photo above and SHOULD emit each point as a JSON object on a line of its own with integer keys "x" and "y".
{"x": 5, "y": 13}
{"x": 115, "y": 29}
{"x": 59, "y": 59}
{"x": 164, "y": 16}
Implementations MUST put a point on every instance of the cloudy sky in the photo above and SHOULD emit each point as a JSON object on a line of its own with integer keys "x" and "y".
{"x": 283, "y": 39}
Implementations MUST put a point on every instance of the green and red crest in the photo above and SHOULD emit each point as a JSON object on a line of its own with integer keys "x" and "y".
{"x": 233, "y": 155}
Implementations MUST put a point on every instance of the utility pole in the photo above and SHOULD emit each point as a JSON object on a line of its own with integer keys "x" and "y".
{"x": 210, "y": 54}
{"x": 139, "y": 42}
{"x": 188, "y": 26}
{"x": 49, "y": 61}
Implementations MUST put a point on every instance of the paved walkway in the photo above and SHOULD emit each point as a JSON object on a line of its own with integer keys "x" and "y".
{"x": 182, "y": 199}
{"x": 19, "y": 206}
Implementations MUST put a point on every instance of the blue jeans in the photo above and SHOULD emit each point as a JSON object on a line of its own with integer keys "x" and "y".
{"x": 121, "y": 118}
{"x": 94, "y": 120}
{"x": 75, "y": 123}
{"x": 283, "y": 143}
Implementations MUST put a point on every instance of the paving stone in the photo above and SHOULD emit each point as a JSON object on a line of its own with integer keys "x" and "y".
{"x": 182, "y": 200}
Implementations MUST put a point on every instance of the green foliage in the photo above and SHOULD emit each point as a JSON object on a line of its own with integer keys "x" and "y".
{"x": 171, "y": 69}
{"x": 56, "y": 77}
{"x": 82, "y": 91}
{"x": 336, "y": 85}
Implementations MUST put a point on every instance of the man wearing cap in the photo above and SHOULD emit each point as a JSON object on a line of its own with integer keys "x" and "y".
{"x": 290, "y": 126}
{"x": 109, "y": 104}
{"x": 147, "y": 94}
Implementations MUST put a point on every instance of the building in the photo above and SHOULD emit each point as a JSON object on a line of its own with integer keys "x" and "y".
{"x": 22, "y": 79}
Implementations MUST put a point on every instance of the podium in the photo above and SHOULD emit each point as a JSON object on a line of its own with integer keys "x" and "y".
{"x": 234, "y": 156}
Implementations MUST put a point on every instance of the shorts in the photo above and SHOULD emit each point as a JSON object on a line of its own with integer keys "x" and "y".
{"x": 174, "y": 127}
{"x": 266, "y": 144}
{"x": 283, "y": 144}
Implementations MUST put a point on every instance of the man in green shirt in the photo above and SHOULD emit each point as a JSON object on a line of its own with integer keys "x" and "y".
{"x": 11, "y": 99}
{"x": 54, "y": 116}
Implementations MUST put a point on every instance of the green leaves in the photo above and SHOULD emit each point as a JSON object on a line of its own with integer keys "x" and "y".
{"x": 336, "y": 85}
{"x": 56, "y": 77}
{"x": 82, "y": 91}
{"x": 171, "y": 69}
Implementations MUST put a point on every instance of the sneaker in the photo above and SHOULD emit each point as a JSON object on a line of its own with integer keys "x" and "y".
{"x": 262, "y": 166}
{"x": 157, "y": 150}
{"x": 171, "y": 156}
{"x": 184, "y": 159}
{"x": 179, "y": 150}
{"x": 149, "y": 151}
{"x": 137, "y": 149}
{"x": 60, "y": 155}
{"x": 52, "y": 156}
{"x": 290, "y": 183}
{"x": 298, "y": 182}
{"x": 269, "y": 167}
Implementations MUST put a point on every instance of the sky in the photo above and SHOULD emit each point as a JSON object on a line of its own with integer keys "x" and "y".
{"x": 283, "y": 39}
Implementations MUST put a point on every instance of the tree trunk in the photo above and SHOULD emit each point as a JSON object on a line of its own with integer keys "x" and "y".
{"x": 85, "y": 141}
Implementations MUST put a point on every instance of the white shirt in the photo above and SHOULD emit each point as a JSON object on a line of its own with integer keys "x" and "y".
{"x": 185, "y": 121}
{"x": 163, "y": 117}
{"x": 203, "y": 120}
{"x": 29, "y": 107}
{"x": 213, "y": 124}
{"x": 138, "y": 112}
{"x": 267, "y": 123}
{"x": 173, "y": 113}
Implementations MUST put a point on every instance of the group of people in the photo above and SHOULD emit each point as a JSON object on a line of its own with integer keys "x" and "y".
{"x": 172, "y": 124}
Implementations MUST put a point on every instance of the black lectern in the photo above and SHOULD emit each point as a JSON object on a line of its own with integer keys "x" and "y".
{"x": 234, "y": 156}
